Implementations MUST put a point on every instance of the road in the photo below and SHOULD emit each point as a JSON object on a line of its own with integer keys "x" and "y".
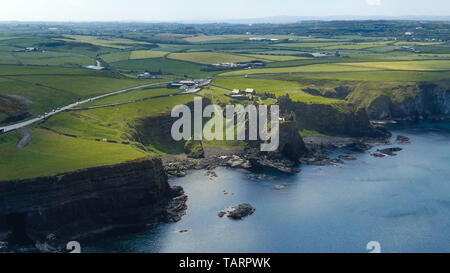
{"x": 25, "y": 139}
{"x": 62, "y": 109}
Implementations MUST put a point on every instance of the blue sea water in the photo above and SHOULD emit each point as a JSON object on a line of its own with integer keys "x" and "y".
{"x": 403, "y": 202}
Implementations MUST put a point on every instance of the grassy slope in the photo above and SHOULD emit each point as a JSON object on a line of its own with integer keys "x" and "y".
{"x": 49, "y": 153}
{"x": 48, "y": 87}
{"x": 134, "y": 95}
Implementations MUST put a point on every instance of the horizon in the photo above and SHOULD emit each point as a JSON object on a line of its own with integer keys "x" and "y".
{"x": 255, "y": 20}
{"x": 158, "y": 11}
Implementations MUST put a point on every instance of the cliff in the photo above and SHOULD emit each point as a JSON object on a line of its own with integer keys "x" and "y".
{"x": 291, "y": 143}
{"x": 79, "y": 204}
{"x": 328, "y": 119}
{"x": 425, "y": 101}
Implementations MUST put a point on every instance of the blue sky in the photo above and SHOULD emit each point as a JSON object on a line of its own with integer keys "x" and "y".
{"x": 175, "y": 10}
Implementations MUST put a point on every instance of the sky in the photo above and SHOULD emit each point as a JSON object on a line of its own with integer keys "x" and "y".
{"x": 216, "y": 10}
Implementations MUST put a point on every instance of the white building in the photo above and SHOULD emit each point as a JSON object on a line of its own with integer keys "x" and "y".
{"x": 250, "y": 91}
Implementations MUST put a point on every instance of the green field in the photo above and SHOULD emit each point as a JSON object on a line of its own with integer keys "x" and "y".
{"x": 378, "y": 76}
{"x": 210, "y": 57}
{"x": 274, "y": 58}
{"x": 102, "y": 41}
{"x": 164, "y": 66}
{"x": 407, "y": 65}
{"x": 315, "y": 68}
{"x": 45, "y": 88}
{"x": 133, "y": 95}
{"x": 49, "y": 153}
{"x": 370, "y": 65}
{"x": 277, "y": 87}
{"x": 146, "y": 54}
{"x": 357, "y": 46}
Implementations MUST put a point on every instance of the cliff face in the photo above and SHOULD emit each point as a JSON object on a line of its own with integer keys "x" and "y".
{"x": 86, "y": 202}
{"x": 291, "y": 143}
{"x": 327, "y": 119}
{"x": 431, "y": 102}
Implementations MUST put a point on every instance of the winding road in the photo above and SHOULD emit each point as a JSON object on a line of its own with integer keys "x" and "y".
{"x": 62, "y": 109}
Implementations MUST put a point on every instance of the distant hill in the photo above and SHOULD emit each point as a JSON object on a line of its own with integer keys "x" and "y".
{"x": 295, "y": 19}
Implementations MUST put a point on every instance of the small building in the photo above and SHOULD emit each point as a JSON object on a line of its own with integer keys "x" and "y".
{"x": 145, "y": 75}
{"x": 250, "y": 91}
{"x": 188, "y": 83}
{"x": 235, "y": 91}
{"x": 325, "y": 54}
{"x": 175, "y": 85}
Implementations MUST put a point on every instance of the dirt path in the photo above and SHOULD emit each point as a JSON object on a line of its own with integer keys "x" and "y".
{"x": 25, "y": 139}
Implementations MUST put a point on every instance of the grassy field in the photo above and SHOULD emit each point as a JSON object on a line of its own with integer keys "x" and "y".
{"x": 105, "y": 42}
{"x": 309, "y": 44}
{"x": 134, "y": 95}
{"x": 367, "y": 68}
{"x": 410, "y": 43}
{"x": 163, "y": 65}
{"x": 406, "y": 65}
{"x": 315, "y": 68}
{"x": 45, "y": 88}
{"x": 119, "y": 117}
{"x": 146, "y": 54}
{"x": 201, "y": 38}
{"x": 357, "y": 46}
{"x": 210, "y": 57}
{"x": 277, "y": 87}
{"x": 116, "y": 56}
{"x": 274, "y": 58}
{"x": 49, "y": 153}
{"x": 53, "y": 58}
{"x": 14, "y": 70}
{"x": 377, "y": 76}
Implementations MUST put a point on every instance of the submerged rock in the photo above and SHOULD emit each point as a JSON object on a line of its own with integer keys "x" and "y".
{"x": 403, "y": 140}
{"x": 347, "y": 157}
{"x": 211, "y": 174}
{"x": 377, "y": 155}
{"x": 279, "y": 187}
{"x": 359, "y": 146}
{"x": 390, "y": 151}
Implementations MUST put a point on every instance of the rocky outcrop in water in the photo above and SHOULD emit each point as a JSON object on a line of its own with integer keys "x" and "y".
{"x": 390, "y": 151}
{"x": 71, "y": 206}
{"x": 238, "y": 212}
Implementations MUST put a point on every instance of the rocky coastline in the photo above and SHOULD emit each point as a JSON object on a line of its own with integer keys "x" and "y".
{"x": 318, "y": 153}
{"x": 47, "y": 212}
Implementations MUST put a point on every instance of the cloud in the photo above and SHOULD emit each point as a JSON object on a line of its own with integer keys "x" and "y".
{"x": 373, "y": 2}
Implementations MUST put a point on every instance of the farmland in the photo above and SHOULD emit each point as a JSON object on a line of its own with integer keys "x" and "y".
{"x": 315, "y": 64}
{"x": 210, "y": 57}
